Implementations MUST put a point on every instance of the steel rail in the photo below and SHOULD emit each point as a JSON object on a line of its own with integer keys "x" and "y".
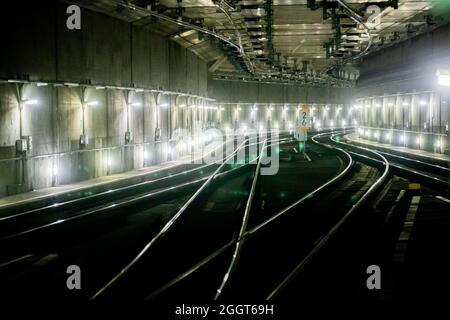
{"x": 406, "y": 170}
{"x": 330, "y": 234}
{"x": 61, "y": 205}
{"x": 164, "y": 230}
{"x": 254, "y": 230}
{"x": 240, "y": 239}
{"x": 110, "y": 192}
{"x": 123, "y": 203}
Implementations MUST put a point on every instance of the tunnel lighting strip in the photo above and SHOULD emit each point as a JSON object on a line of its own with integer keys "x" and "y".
{"x": 41, "y": 83}
{"x": 283, "y": 103}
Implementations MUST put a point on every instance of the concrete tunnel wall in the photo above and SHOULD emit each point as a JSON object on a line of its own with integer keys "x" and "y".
{"x": 106, "y": 51}
{"x": 267, "y": 106}
{"x": 398, "y": 96}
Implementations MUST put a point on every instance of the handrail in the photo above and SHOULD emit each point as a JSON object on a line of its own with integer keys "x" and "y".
{"x": 325, "y": 239}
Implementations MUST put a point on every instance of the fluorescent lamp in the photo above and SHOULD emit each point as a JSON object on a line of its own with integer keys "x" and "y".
{"x": 70, "y": 84}
{"x": 31, "y": 102}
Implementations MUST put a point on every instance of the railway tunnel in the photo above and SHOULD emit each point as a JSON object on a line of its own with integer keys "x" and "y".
{"x": 185, "y": 153}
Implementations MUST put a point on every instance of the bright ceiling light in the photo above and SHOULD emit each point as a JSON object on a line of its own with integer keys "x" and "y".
{"x": 92, "y": 103}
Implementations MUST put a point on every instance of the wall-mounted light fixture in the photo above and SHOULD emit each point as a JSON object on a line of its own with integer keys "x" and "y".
{"x": 70, "y": 84}
{"x": 30, "y": 102}
{"x": 443, "y": 77}
{"x": 92, "y": 103}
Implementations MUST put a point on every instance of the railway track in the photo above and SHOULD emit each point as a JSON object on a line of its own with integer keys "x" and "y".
{"x": 207, "y": 267}
{"x": 367, "y": 239}
{"x": 250, "y": 280}
{"x": 93, "y": 222}
{"x": 248, "y": 250}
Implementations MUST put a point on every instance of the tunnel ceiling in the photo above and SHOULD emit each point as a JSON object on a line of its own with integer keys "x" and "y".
{"x": 305, "y": 41}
